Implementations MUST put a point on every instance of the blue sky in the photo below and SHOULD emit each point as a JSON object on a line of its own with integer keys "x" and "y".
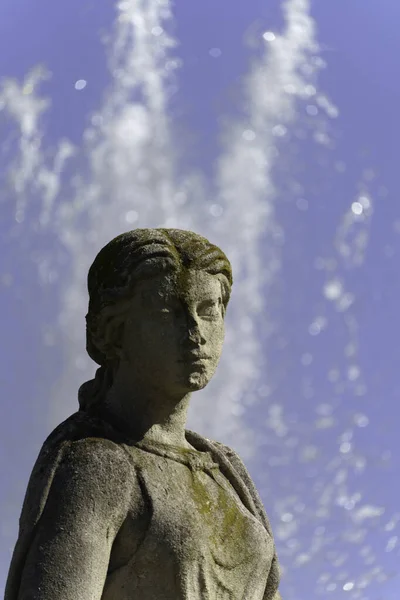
{"x": 290, "y": 165}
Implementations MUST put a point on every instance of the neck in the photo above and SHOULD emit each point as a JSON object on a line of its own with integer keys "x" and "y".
{"x": 146, "y": 413}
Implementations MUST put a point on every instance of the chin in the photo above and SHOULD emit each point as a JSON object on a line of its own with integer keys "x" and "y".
{"x": 197, "y": 381}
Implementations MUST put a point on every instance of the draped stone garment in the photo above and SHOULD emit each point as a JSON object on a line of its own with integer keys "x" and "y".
{"x": 202, "y": 532}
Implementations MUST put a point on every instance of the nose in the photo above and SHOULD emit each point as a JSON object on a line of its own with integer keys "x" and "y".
{"x": 194, "y": 334}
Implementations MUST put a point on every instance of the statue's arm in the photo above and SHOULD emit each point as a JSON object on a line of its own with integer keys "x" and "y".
{"x": 86, "y": 505}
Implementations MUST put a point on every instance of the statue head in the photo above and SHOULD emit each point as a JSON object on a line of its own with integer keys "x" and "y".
{"x": 157, "y": 302}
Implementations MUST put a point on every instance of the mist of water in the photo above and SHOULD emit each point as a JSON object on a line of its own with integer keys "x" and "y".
{"x": 126, "y": 175}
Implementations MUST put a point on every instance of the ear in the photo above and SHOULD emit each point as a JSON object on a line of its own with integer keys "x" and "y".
{"x": 113, "y": 337}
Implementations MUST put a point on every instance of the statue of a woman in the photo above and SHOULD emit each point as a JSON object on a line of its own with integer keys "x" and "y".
{"x": 123, "y": 502}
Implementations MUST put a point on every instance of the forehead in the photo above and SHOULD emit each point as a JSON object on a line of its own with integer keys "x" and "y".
{"x": 190, "y": 284}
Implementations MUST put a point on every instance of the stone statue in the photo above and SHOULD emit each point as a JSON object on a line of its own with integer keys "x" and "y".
{"x": 123, "y": 502}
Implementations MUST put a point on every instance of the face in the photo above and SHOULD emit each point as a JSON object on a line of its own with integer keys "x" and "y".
{"x": 174, "y": 332}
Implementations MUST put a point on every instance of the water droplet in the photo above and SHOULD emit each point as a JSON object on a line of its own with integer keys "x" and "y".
{"x": 392, "y": 543}
{"x": 345, "y": 447}
{"x": 216, "y": 210}
{"x": 310, "y": 90}
{"x": 269, "y": 36}
{"x": 348, "y": 586}
{"x": 215, "y": 52}
{"x": 302, "y": 204}
{"x": 97, "y": 120}
{"x": 306, "y": 359}
{"x": 6, "y": 279}
{"x": 357, "y": 208}
{"x": 312, "y": 110}
{"x": 317, "y": 326}
{"x": 131, "y": 216}
{"x": 340, "y": 166}
{"x": 325, "y": 423}
{"x": 290, "y": 88}
{"x": 345, "y": 302}
{"x": 353, "y": 372}
{"x": 279, "y": 131}
{"x": 157, "y": 31}
{"x": 287, "y": 517}
{"x": 333, "y": 289}
{"x": 80, "y": 84}
{"x": 361, "y": 420}
{"x": 27, "y": 89}
{"x": 365, "y": 202}
{"x": 249, "y": 135}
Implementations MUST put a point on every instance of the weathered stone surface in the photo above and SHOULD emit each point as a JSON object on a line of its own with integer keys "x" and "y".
{"x": 124, "y": 502}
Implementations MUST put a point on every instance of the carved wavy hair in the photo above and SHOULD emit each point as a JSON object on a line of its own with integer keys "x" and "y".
{"x": 118, "y": 267}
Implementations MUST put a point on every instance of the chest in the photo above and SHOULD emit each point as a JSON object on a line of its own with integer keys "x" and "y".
{"x": 186, "y": 516}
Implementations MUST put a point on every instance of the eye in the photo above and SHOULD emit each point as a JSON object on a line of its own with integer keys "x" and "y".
{"x": 209, "y": 309}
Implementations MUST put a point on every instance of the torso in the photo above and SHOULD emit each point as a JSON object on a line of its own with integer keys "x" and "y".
{"x": 189, "y": 536}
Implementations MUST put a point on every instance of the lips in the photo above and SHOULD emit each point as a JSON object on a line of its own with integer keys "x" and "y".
{"x": 195, "y": 357}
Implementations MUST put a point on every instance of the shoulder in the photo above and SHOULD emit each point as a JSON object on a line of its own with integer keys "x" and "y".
{"x": 95, "y": 463}
{"x": 82, "y": 441}
{"x": 98, "y": 457}
{"x": 75, "y": 461}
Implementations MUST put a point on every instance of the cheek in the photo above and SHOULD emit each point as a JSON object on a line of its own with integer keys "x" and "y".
{"x": 158, "y": 338}
{"x": 216, "y": 335}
